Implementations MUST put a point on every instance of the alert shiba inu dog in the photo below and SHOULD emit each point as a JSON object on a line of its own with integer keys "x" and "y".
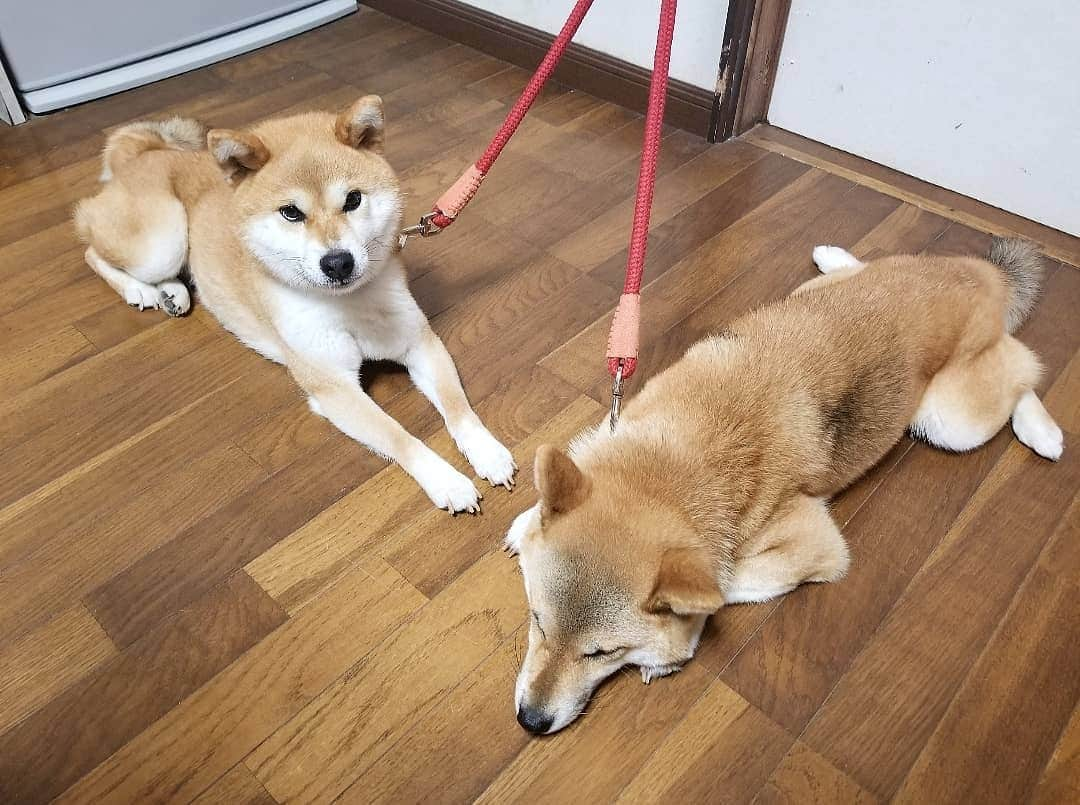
{"x": 290, "y": 231}
{"x": 712, "y": 488}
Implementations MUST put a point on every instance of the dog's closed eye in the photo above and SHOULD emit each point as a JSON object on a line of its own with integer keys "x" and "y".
{"x": 598, "y": 653}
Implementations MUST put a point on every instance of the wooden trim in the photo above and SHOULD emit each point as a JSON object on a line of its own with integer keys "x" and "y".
{"x": 688, "y": 107}
{"x": 762, "y": 58}
{"x": 737, "y": 32}
{"x": 965, "y": 210}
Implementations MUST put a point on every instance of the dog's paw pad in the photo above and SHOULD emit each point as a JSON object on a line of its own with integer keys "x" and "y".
{"x": 173, "y": 298}
{"x": 489, "y": 458}
{"x": 832, "y": 258}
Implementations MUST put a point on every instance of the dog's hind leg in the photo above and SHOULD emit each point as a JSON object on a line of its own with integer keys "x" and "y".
{"x": 968, "y": 402}
{"x": 803, "y": 544}
{"x": 1035, "y": 428}
{"x": 148, "y": 262}
{"x": 135, "y": 292}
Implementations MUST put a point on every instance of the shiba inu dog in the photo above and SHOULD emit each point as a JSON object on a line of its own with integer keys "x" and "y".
{"x": 712, "y": 489}
{"x": 290, "y": 232}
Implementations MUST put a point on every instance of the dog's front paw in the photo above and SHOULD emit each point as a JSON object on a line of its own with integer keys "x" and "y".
{"x": 649, "y": 673}
{"x": 448, "y": 488}
{"x": 488, "y": 457}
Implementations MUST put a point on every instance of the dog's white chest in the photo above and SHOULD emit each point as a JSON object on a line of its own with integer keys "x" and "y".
{"x": 376, "y": 322}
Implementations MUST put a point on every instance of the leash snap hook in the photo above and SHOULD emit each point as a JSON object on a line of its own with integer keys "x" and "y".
{"x": 424, "y": 228}
{"x": 616, "y": 395}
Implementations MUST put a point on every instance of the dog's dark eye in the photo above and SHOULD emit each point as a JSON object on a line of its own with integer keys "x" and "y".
{"x": 290, "y": 212}
{"x": 599, "y": 652}
{"x": 352, "y": 201}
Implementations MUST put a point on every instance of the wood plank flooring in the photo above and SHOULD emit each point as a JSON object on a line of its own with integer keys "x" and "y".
{"x": 207, "y": 594}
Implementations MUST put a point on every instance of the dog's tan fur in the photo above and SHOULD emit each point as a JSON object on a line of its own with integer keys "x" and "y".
{"x": 712, "y": 490}
{"x": 225, "y": 201}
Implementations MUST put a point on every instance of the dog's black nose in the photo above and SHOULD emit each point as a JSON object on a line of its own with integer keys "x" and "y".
{"x": 535, "y": 721}
{"x": 337, "y": 264}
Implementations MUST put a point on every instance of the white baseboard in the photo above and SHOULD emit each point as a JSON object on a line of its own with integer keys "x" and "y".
{"x": 180, "y": 61}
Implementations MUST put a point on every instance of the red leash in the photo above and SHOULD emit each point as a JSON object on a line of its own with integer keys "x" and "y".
{"x": 460, "y": 193}
{"x": 622, "y": 348}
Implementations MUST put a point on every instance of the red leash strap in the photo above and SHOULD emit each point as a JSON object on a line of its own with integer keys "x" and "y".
{"x": 623, "y": 340}
{"x": 622, "y": 350}
{"x": 453, "y": 201}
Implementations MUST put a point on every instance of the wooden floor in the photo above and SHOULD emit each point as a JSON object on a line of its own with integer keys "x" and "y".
{"x": 208, "y": 594}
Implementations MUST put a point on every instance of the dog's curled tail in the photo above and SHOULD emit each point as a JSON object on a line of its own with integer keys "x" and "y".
{"x": 1022, "y": 266}
{"x": 128, "y": 142}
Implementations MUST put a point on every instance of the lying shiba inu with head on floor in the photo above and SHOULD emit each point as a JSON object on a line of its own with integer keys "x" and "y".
{"x": 712, "y": 489}
{"x": 290, "y": 231}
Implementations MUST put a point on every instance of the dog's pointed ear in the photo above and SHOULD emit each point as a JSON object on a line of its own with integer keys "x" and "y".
{"x": 362, "y": 124}
{"x": 238, "y": 153}
{"x": 562, "y": 486}
{"x": 685, "y": 584}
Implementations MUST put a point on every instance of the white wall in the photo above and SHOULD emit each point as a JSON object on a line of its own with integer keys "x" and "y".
{"x": 626, "y": 29}
{"x": 979, "y": 96}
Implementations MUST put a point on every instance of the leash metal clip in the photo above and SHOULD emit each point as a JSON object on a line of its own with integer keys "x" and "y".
{"x": 616, "y": 396}
{"x": 425, "y": 228}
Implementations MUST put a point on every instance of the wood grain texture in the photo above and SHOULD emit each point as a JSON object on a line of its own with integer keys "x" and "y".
{"x": 41, "y": 665}
{"x": 393, "y": 690}
{"x": 595, "y": 758}
{"x": 1060, "y": 782}
{"x": 952, "y": 205}
{"x": 59, "y": 743}
{"x": 208, "y": 594}
{"x": 1019, "y": 673}
{"x": 949, "y": 610}
{"x": 203, "y": 737}
{"x": 725, "y": 748}
{"x": 237, "y": 787}
{"x": 804, "y": 776}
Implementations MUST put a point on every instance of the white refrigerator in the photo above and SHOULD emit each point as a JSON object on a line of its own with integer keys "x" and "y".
{"x": 62, "y": 52}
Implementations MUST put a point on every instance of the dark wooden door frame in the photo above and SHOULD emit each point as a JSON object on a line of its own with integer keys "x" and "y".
{"x": 753, "y": 35}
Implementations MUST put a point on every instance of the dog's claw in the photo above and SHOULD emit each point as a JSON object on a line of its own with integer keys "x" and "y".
{"x": 649, "y": 673}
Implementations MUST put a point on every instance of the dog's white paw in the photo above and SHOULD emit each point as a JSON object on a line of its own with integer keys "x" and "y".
{"x": 832, "y": 258}
{"x": 448, "y": 488}
{"x": 488, "y": 457}
{"x": 174, "y": 298}
{"x": 1033, "y": 427}
{"x": 649, "y": 673}
{"x": 140, "y": 295}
